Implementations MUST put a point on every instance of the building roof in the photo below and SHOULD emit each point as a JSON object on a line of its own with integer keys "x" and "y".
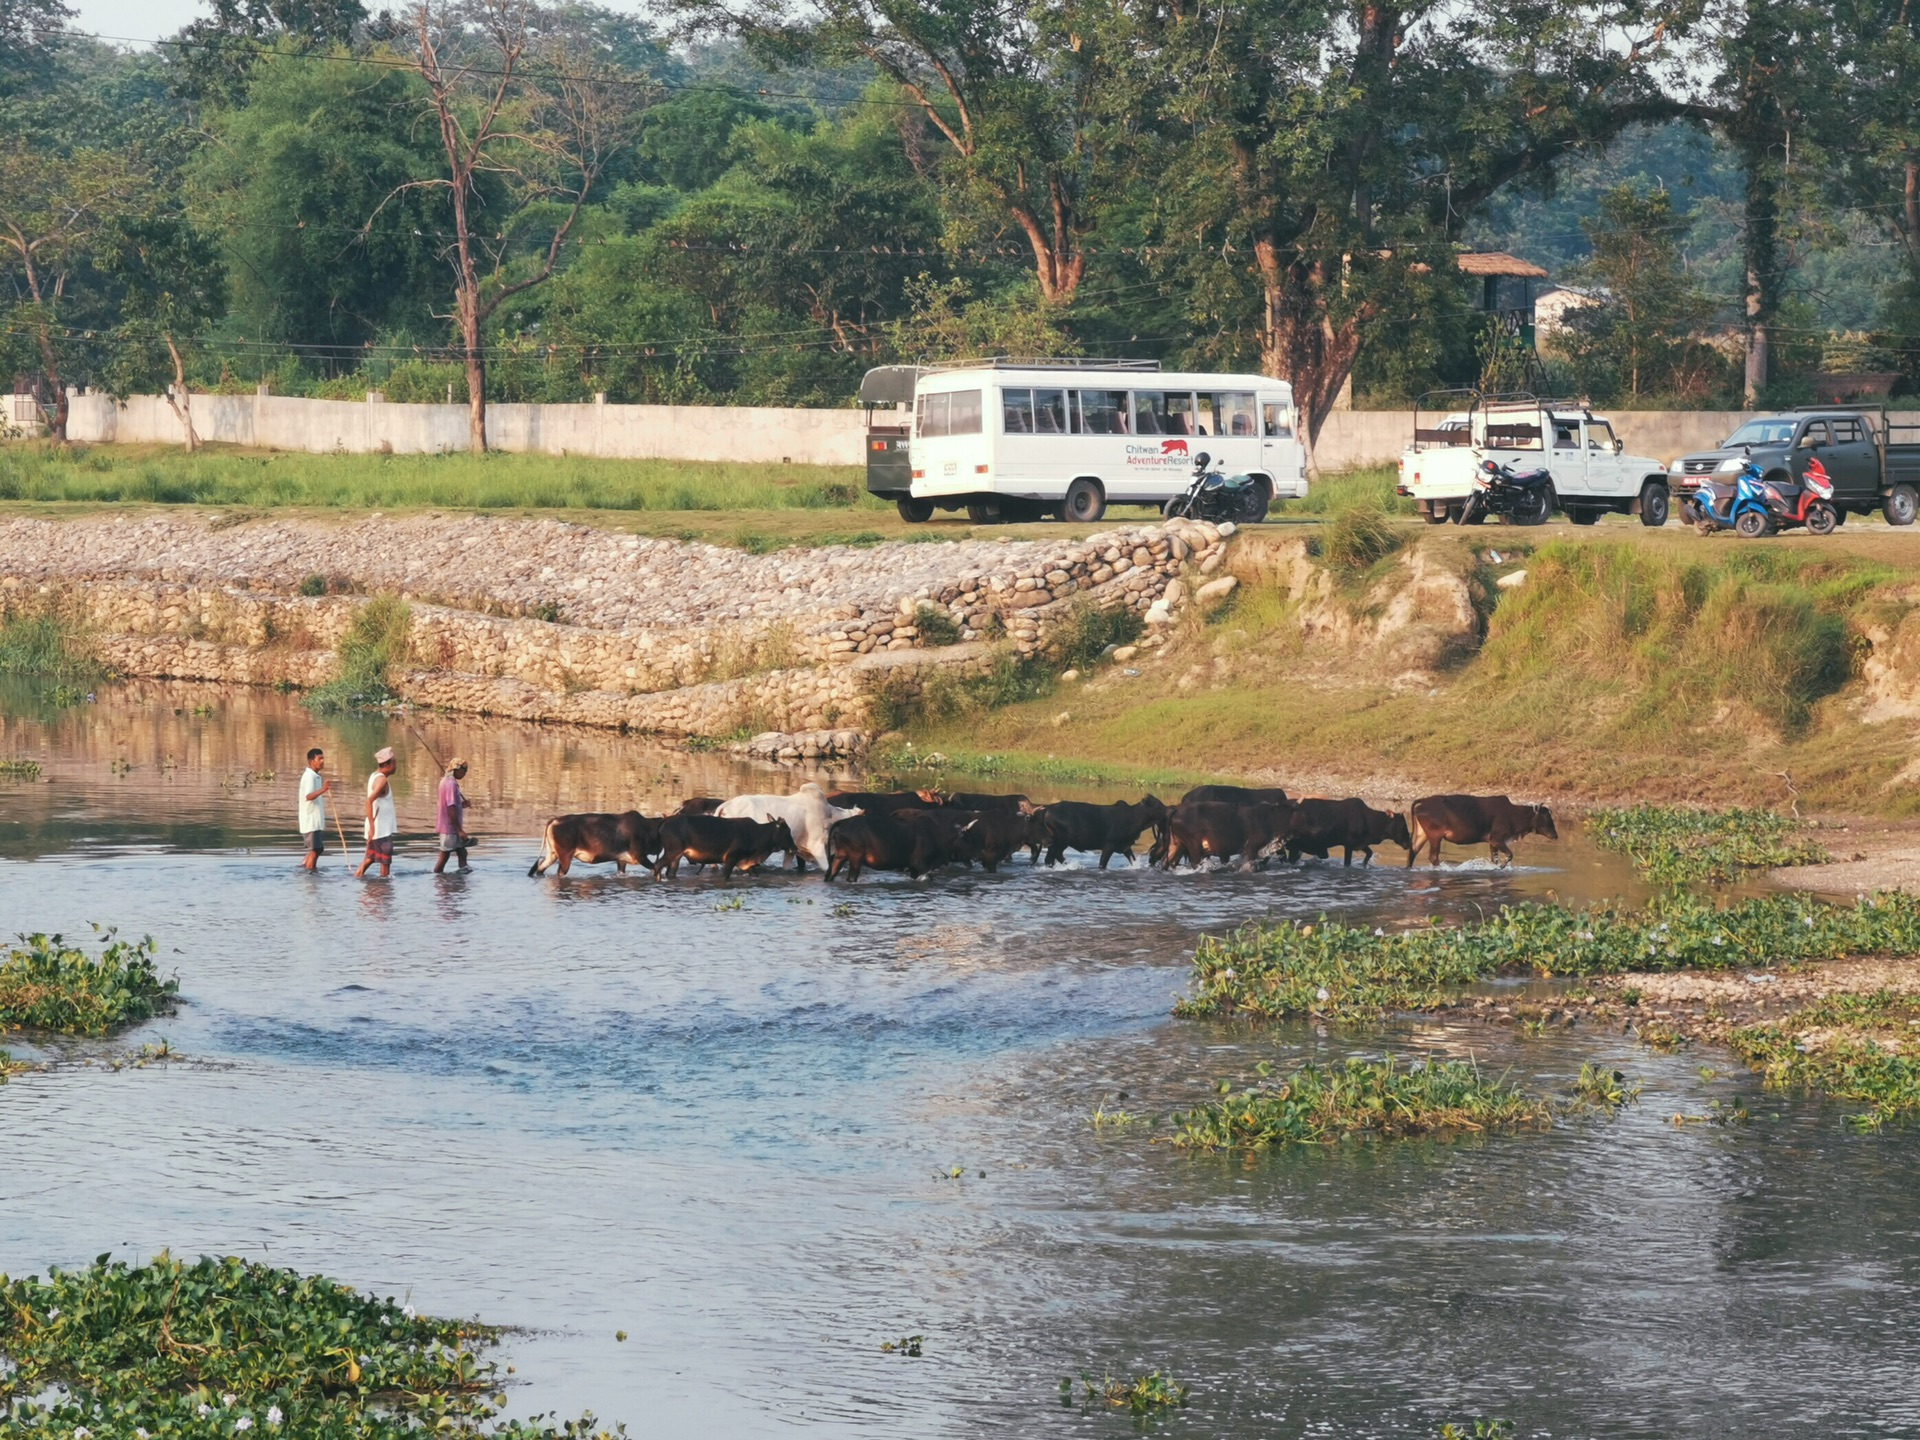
{"x": 1497, "y": 262}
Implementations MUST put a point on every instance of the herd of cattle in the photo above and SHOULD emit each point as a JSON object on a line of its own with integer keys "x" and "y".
{"x": 921, "y": 830}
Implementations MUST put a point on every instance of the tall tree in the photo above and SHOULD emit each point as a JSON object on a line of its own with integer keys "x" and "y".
{"x": 528, "y": 118}
{"x": 215, "y": 57}
{"x": 31, "y": 35}
{"x": 171, "y": 289}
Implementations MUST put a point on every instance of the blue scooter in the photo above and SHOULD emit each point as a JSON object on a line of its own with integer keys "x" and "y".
{"x": 1743, "y": 508}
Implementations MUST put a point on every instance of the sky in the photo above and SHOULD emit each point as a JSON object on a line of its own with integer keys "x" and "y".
{"x": 135, "y": 19}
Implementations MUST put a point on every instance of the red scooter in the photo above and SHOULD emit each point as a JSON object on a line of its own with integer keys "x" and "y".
{"x": 1810, "y": 503}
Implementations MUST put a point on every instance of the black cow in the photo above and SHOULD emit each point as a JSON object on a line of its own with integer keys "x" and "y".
{"x": 915, "y": 841}
{"x": 992, "y": 835}
{"x": 1233, "y": 795}
{"x": 1320, "y": 826}
{"x": 1199, "y": 828}
{"x": 1110, "y": 829}
{"x": 699, "y": 805}
{"x": 986, "y": 804}
{"x": 1469, "y": 819}
{"x": 629, "y": 838}
{"x": 716, "y": 840}
{"x": 885, "y": 802}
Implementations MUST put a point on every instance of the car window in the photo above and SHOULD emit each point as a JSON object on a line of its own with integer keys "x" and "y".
{"x": 1276, "y": 419}
{"x": 1814, "y": 434}
{"x": 930, "y": 419}
{"x": 1150, "y": 413}
{"x": 1180, "y": 415}
{"x": 966, "y": 412}
{"x": 1565, "y": 437}
{"x": 1100, "y": 412}
{"x": 1846, "y": 432}
{"x": 1049, "y": 412}
{"x": 1016, "y": 411}
{"x": 1233, "y": 413}
{"x": 1599, "y": 436}
{"x": 1762, "y": 432}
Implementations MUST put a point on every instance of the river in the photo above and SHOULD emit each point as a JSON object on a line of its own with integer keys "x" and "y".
{"x": 586, "y": 1106}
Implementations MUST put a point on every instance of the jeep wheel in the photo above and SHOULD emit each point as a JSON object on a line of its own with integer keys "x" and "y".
{"x": 1901, "y": 504}
{"x": 984, "y": 512}
{"x": 1085, "y": 502}
{"x": 1434, "y": 513}
{"x": 1654, "y": 502}
{"x": 914, "y": 512}
{"x": 1581, "y": 515}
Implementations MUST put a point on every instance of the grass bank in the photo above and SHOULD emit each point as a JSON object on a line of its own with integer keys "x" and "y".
{"x": 1630, "y": 664}
{"x": 218, "y": 1348}
{"x": 48, "y": 985}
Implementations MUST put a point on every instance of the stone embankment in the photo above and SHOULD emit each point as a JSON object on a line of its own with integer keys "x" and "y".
{"x": 542, "y": 620}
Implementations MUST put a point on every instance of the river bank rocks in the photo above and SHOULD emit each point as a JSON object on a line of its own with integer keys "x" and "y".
{"x": 543, "y": 620}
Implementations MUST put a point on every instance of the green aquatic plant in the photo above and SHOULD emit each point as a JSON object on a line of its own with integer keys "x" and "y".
{"x": 1477, "y": 1430}
{"x": 217, "y": 1348}
{"x": 47, "y": 644}
{"x": 378, "y": 641}
{"x": 1272, "y": 971}
{"x": 18, "y": 769}
{"x": 1609, "y": 1089}
{"x": 1677, "y": 845}
{"x": 1854, "y": 1048}
{"x": 1145, "y": 1394}
{"x": 47, "y": 984}
{"x": 1318, "y": 1105}
{"x": 908, "y": 1345}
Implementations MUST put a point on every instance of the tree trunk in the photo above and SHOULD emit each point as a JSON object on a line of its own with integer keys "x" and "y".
{"x": 1762, "y": 254}
{"x": 179, "y": 399}
{"x": 1301, "y": 343}
{"x": 50, "y": 366}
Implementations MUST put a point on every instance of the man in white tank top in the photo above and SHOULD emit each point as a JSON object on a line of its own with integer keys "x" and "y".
{"x": 382, "y": 818}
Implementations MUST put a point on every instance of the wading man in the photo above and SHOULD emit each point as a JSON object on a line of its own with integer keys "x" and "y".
{"x": 314, "y": 787}
{"x": 382, "y": 819}
{"x": 451, "y": 822}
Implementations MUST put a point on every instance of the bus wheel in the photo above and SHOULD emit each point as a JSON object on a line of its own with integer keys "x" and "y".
{"x": 1085, "y": 502}
{"x": 984, "y": 512}
{"x": 914, "y": 512}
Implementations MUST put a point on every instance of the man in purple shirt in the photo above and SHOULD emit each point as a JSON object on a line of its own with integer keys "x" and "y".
{"x": 451, "y": 821}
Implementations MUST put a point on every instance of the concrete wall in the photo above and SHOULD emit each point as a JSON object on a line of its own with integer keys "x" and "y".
{"x": 747, "y": 434}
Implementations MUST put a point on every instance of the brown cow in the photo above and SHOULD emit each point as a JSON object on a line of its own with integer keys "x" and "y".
{"x": 1197, "y": 829}
{"x": 699, "y": 805}
{"x": 1469, "y": 819}
{"x": 714, "y": 840}
{"x": 1321, "y": 826}
{"x": 626, "y": 839}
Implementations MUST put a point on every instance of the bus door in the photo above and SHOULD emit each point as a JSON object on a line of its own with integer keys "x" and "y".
{"x": 1277, "y": 439}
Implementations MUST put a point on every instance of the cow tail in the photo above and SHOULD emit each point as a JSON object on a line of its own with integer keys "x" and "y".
{"x": 547, "y": 850}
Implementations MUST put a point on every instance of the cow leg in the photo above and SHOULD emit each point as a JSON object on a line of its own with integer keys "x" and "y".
{"x": 619, "y": 864}
{"x": 566, "y": 861}
{"x": 728, "y": 860}
{"x": 1367, "y": 850}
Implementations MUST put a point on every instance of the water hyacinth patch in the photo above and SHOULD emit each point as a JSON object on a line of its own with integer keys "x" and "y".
{"x": 1336, "y": 971}
{"x": 1318, "y": 1105}
{"x": 1675, "y": 845}
{"x": 47, "y": 984}
{"x": 1854, "y": 1048}
{"x": 226, "y": 1347}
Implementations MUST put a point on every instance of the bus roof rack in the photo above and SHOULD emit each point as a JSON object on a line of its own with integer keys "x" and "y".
{"x": 1042, "y": 362}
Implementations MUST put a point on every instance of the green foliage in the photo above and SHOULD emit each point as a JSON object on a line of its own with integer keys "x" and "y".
{"x": 47, "y": 645}
{"x": 1371, "y": 489}
{"x": 1477, "y": 1430}
{"x": 1852, "y": 352}
{"x": 1851, "y": 1047}
{"x": 1609, "y": 1089}
{"x": 1083, "y": 634}
{"x": 1358, "y": 538}
{"x": 935, "y": 626}
{"x": 1329, "y": 969}
{"x": 1138, "y": 1395}
{"x": 20, "y": 769}
{"x": 1319, "y": 1105}
{"x": 47, "y": 984}
{"x": 377, "y": 642}
{"x": 220, "y": 1347}
{"x": 898, "y": 698}
{"x": 1674, "y": 845}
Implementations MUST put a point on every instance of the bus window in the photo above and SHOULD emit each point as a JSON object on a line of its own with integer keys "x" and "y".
{"x": 1209, "y": 416}
{"x": 1180, "y": 415}
{"x": 1016, "y": 411}
{"x": 1150, "y": 413}
{"x": 1276, "y": 420}
{"x": 1233, "y": 413}
{"x": 1049, "y": 412}
{"x": 966, "y": 412}
{"x": 1100, "y": 412}
{"x": 931, "y": 417}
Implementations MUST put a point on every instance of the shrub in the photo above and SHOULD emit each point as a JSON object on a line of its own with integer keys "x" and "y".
{"x": 45, "y": 645}
{"x": 377, "y": 642}
{"x": 1088, "y": 628}
{"x": 936, "y": 626}
{"x": 1359, "y": 538}
{"x": 47, "y": 984}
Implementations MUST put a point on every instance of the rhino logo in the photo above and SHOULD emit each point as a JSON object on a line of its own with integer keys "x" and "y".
{"x": 1173, "y": 447}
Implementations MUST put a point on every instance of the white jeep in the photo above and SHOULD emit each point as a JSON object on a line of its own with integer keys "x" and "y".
{"x": 1591, "y": 474}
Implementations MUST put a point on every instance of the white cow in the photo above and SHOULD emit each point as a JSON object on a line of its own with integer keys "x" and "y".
{"x": 808, "y": 813}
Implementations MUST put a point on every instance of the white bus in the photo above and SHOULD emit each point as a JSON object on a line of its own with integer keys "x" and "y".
{"x": 1021, "y": 439}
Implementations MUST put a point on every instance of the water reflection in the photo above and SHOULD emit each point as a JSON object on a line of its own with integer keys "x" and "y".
{"x": 604, "y": 1104}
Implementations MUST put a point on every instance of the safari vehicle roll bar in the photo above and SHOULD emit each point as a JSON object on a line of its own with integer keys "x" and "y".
{"x": 1491, "y": 411}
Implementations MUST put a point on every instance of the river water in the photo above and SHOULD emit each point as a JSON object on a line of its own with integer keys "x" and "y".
{"x": 594, "y": 1105}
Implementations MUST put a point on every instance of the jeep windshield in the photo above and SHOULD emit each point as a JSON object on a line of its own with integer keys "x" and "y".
{"x": 1762, "y": 432}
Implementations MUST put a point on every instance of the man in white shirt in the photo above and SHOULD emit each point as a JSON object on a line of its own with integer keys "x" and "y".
{"x": 382, "y": 820}
{"x": 313, "y": 807}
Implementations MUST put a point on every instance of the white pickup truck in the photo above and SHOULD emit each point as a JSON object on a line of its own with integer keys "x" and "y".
{"x": 1591, "y": 474}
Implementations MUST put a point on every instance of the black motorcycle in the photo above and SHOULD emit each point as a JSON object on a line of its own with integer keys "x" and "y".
{"x": 1216, "y": 497}
{"x": 1518, "y": 497}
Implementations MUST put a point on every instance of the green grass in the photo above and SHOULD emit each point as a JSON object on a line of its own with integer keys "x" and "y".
{"x": 224, "y": 476}
{"x": 1337, "y": 971}
{"x": 1370, "y": 488}
{"x": 1679, "y": 845}
{"x": 1319, "y": 1105}
{"x": 1854, "y": 1048}
{"x": 377, "y": 643}
{"x": 191, "y": 1351}
{"x": 47, "y": 984}
{"x": 46, "y": 645}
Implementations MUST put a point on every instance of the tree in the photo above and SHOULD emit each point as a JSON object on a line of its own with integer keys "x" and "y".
{"x": 517, "y": 102}
{"x": 1635, "y": 340}
{"x": 216, "y": 56}
{"x": 55, "y": 208}
{"x": 171, "y": 288}
{"x": 1011, "y": 92}
{"x": 31, "y": 35}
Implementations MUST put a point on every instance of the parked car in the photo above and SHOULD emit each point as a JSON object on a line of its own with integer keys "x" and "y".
{"x": 1591, "y": 471}
{"x": 1867, "y": 465}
